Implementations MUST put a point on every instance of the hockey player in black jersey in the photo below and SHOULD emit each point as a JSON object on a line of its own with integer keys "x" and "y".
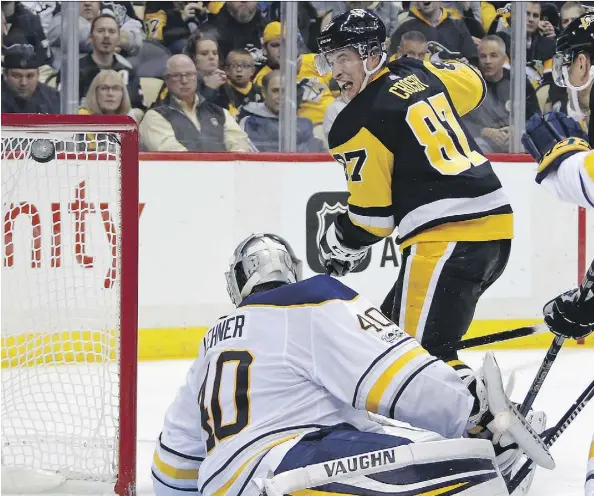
{"x": 411, "y": 165}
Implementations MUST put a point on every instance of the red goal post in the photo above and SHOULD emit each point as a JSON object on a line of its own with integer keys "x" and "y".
{"x": 87, "y": 150}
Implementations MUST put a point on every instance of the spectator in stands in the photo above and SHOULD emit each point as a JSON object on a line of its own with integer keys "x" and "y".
{"x": 186, "y": 121}
{"x": 438, "y": 25}
{"x": 24, "y": 28}
{"x": 105, "y": 36}
{"x": 549, "y": 19}
{"x": 238, "y": 25}
{"x": 107, "y": 95}
{"x": 470, "y": 13}
{"x": 558, "y": 99}
{"x": 272, "y": 50}
{"x": 130, "y": 27}
{"x": 203, "y": 49}
{"x": 172, "y": 23}
{"x": 489, "y": 123}
{"x": 44, "y": 10}
{"x": 386, "y": 11}
{"x": 313, "y": 93}
{"x": 569, "y": 12}
{"x": 412, "y": 44}
{"x": 240, "y": 70}
{"x": 540, "y": 48}
{"x": 261, "y": 121}
{"x": 22, "y": 92}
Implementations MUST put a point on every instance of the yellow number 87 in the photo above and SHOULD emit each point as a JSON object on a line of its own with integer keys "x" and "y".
{"x": 428, "y": 121}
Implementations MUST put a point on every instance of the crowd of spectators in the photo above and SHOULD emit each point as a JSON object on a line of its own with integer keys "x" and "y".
{"x": 204, "y": 76}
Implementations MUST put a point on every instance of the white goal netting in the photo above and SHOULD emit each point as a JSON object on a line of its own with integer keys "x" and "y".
{"x": 60, "y": 304}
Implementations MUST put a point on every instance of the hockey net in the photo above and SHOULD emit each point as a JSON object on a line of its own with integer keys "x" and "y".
{"x": 69, "y": 303}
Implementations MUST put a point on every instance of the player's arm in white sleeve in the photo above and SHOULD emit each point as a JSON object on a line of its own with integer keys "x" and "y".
{"x": 590, "y": 471}
{"x": 573, "y": 181}
{"x": 365, "y": 360}
{"x": 180, "y": 450}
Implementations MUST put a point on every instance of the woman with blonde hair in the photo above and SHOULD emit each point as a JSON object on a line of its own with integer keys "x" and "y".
{"x": 107, "y": 95}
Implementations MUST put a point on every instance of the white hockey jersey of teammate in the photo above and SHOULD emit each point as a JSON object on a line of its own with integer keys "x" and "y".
{"x": 290, "y": 361}
{"x": 573, "y": 181}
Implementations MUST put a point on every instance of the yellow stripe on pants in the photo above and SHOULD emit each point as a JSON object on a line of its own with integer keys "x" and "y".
{"x": 423, "y": 259}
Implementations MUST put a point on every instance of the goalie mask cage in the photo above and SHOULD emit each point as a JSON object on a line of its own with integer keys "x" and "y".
{"x": 69, "y": 303}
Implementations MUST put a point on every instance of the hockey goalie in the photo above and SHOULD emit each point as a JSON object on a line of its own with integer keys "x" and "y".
{"x": 279, "y": 400}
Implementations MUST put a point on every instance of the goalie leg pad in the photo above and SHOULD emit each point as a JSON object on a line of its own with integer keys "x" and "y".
{"x": 465, "y": 465}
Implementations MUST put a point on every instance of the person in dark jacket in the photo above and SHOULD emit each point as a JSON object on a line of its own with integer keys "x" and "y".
{"x": 22, "y": 93}
{"x": 24, "y": 28}
{"x": 105, "y": 33}
{"x": 239, "y": 86}
{"x": 261, "y": 121}
{"x": 489, "y": 124}
{"x": 238, "y": 25}
{"x": 171, "y": 23}
{"x": 438, "y": 25}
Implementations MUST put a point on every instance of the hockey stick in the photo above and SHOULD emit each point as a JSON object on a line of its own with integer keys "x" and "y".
{"x": 551, "y": 435}
{"x": 584, "y": 292}
{"x": 496, "y": 337}
{"x": 541, "y": 375}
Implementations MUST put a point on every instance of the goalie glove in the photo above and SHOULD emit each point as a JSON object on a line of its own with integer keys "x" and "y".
{"x": 551, "y": 139}
{"x": 507, "y": 429}
{"x": 565, "y": 317}
{"x": 335, "y": 257}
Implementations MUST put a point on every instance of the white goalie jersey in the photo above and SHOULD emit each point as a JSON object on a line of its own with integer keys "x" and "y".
{"x": 287, "y": 362}
{"x": 573, "y": 181}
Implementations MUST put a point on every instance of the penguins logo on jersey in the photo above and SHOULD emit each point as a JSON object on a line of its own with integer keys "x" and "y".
{"x": 586, "y": 21}
{"x": 322, "y": 208}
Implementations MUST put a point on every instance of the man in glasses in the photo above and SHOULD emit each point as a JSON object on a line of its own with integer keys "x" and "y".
{"x": 185, "y": 120}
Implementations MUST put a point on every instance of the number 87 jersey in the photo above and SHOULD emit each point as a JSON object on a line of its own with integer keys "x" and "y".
{"x": 287, "y": 362}
{"x": 410, "y": 163}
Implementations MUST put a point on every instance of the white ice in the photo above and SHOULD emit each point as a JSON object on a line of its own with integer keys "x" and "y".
{"x": 571, "y": 373}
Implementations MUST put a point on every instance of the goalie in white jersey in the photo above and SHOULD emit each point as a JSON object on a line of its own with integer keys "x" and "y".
{"x": 566, "y": 168}
{"x": 287, "y": 381}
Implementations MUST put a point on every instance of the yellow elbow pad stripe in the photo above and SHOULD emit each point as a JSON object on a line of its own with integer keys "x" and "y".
{"x": 172, "y": 472}
{"x": 565, "y": 146}
{"x": 379, "y": 388}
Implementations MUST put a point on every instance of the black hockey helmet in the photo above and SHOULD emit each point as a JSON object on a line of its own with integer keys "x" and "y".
{"x": 357, "y": 28}
{"x": 577, "y": 37}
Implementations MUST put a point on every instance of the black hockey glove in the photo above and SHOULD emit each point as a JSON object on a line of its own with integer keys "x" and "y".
{"x": 552, "y": 138}
{"x": 565, "y": 317}
{"x": 336, "y": 258}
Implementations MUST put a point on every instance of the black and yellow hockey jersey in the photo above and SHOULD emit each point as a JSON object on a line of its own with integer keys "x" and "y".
{"x": 410, "y": 163}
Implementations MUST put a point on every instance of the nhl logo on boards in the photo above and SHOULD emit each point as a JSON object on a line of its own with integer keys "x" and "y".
{"x": 321, "y": 211}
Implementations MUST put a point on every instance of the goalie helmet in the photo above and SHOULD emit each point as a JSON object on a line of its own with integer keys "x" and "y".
{"x": 577, "y": 37}
{"x": 357, "y": 28}
{"x": 259, "y": 259}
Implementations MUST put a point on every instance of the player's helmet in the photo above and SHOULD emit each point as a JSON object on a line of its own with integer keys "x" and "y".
{"x": 259, "y": 259}
{"x": 357, "y": 28}
{"x": 577, "y": 37}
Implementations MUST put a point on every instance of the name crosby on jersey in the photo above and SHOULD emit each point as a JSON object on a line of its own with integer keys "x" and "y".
{"x": 222, "y": 331}
{"x": 405, "y": 87}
